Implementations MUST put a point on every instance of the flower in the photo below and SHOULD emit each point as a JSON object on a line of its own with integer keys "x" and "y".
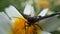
{"x": 11, "y": 18}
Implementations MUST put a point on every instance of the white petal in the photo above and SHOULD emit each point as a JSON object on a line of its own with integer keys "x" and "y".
{"x": 29, "y": 10}
{"x": 58, "y": 29}
{"x": 43, "y": 12}
{"x": 12, "y": 12}
{"x": 51, "y": 24}
{"x": 5, "y": 24}
{"x": 44, "y": 32}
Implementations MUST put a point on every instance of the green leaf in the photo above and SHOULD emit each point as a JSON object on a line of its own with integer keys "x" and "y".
{"x": 55, "y": 32}
{"x": 55, "y": 8}
{"x": 4, "y": 4}
{"x": 58, "y": 16}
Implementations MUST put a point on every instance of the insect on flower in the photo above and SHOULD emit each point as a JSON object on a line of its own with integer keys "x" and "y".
{"x": 12, "y": 21}
{"x": 25, "y": 24}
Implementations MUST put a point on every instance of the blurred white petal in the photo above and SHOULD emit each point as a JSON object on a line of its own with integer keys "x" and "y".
{"x": 12, "y": 12}
{"x": 50, "y": 12}
{"x": 44, "y": 32}
{"x": 50, "y": 24}
{"x": 58, "y": 29}
{"x": 29, "y": 10}
{"x": 43, "y": 12}
{"x": 5, "y": 24}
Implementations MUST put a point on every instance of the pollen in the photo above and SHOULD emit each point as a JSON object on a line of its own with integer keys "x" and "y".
{"x": 21, "y": 27}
